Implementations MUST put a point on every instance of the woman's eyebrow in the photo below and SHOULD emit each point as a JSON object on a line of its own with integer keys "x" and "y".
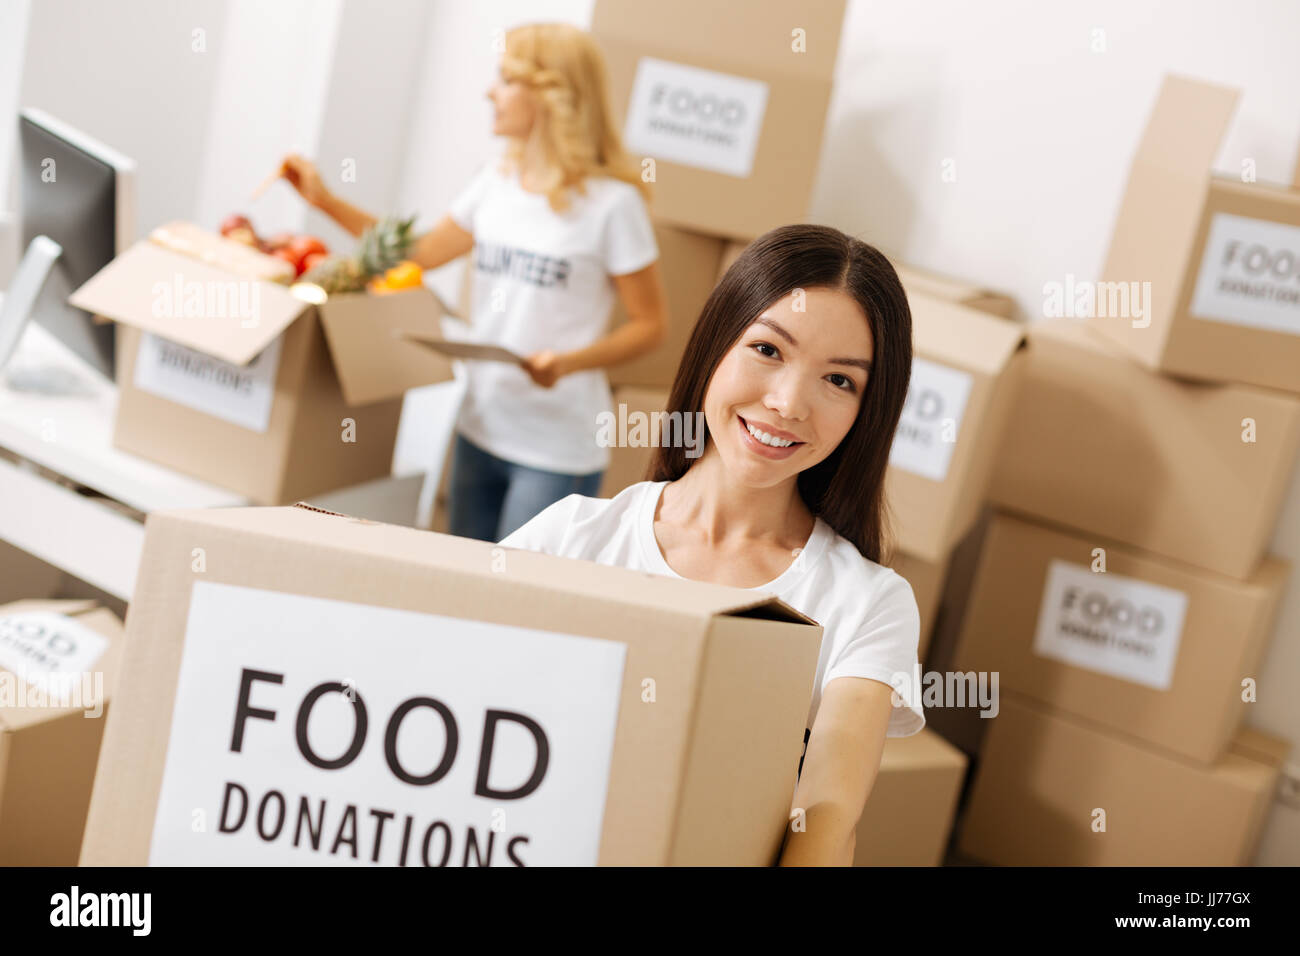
{"x": 863, "y": 364}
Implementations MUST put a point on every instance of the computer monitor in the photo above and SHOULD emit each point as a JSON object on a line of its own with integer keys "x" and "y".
{"x": 81, "y": 194}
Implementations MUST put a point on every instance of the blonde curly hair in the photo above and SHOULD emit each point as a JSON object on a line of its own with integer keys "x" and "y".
{"x": 564, "y": 67}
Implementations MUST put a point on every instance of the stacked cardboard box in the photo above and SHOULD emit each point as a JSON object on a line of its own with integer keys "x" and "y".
{"x": 59, "y": 662}
{"x": 667, "y": 731}
{"x": 1221, "y": 255}
{"x": 1124, "y": 593}
{"x": 708, "y": 113}
{"x": 966, "y": 369}
{"x": 712, "y": 110}
{"x": 1055, "y": 790}
{"x": 235, "y": 380}
{"x": 910, "y": 811}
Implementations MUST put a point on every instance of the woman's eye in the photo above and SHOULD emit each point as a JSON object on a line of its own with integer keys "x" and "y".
{"x": 766, "y": 345}
{"x": 846, "y": 384}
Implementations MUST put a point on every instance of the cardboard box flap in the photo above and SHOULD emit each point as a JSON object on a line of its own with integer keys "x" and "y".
{"x": 371, "y": 359}
{"x": 88, "y": 613}
{"x": 752, "y": 45}
{"x": 657, "y": 593}
{"x": 770, "y": 609}
{"x": 1264, "y": 748}
{"x": 1187, "y": 124}
{"x": 190, "y": 302}
{"x": 962, "y": 337}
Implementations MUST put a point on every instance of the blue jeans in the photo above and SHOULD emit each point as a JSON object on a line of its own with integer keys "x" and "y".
{"x": 490, "y": 497}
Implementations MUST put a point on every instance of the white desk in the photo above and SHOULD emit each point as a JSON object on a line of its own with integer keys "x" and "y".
{"x": 71, "y": 436}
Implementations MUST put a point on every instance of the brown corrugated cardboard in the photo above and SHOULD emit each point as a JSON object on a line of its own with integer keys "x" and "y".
{"x": 1222, "y": 255}
{"x": 926, "y": 579}
{"x": 24, "y": 575}
{"x": 673, "y": 710}
{"x": 48, "y": 753}
{"x": 965, "y": 374}
{"x": 955, "y": 290}
{"x": 910, "y": 811}
{"x": 1150, "y": 648}
{"x": 688, "y": 263}
{"x": 731, "y": 109}
{"x": 628, "y": 464}
{"x": 1100, "y": 443}
{"x": 238, "y": 382}
{"x": 1053, "y": 790}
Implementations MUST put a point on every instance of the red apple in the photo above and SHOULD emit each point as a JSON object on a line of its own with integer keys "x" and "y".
{"x": 303, "y": 246}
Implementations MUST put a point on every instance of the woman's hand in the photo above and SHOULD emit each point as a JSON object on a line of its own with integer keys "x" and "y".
{"x": 304, "y": 177}
{"x": 547, "y": 367}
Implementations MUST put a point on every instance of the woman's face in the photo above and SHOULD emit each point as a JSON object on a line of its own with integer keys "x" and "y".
{"x": 514, "y": 106}
{"x": 798, "y": 374}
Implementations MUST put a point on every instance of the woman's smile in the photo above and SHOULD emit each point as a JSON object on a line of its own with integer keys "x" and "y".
{"x": 764, "y": 450}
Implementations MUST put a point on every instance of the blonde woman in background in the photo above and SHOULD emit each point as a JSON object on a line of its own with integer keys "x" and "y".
{"x": 558, "y": 227}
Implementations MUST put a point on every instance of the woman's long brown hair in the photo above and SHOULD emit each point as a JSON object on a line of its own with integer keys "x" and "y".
{"x": 846, "y": 489}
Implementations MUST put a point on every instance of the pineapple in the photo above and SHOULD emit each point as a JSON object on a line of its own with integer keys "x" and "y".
{"x": 382, "y": 247}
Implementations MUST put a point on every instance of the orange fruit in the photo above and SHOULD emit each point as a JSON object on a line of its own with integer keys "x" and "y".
{"x": 404, "y": 275}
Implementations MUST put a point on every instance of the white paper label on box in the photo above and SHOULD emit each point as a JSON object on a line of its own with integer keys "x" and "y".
{"x": 239, "y": 394}
{"x": 931, "y": 420}
{"x": 1250, "y": 274}
{"x": 309, "y": 731}
{"x": 1115, "y": 625}
{"x": 696, "y": 117}
{"x": 43, "y": 647}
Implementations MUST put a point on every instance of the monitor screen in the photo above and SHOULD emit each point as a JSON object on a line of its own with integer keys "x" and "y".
{"x": 69, "y": 194}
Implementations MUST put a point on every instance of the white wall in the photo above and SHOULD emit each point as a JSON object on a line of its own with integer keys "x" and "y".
{"x": 128, "y": 75}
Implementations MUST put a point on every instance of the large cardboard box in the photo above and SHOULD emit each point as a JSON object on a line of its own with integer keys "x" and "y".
{"x": 688, "y": 262}
{"x": 730, "y": 108}
{"x": 927, "y": 581}
{"x": 969, "y": 294}
{"x": 629, "y": 462}
{"x": 1221, "y": 254}
{"x": 239, "y": 382}
{"x": 1150, "y": 648}
{"x": 59, "y": 661}
{"x": 909, "y": 814}
{"x": 340, "y": 670}
{"x": 966, "y": 368}
{"x": 1053, "y": 790}
{"x": 1192, "y": 471}
{"x": 25, "y": 575}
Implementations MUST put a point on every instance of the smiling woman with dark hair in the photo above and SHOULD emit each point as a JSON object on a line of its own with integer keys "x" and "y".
{"x": 799, "y": 363}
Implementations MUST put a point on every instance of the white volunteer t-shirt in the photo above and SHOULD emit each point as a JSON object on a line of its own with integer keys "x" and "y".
{"x": 542, "y": 281}
{"x": 870, "y": 623}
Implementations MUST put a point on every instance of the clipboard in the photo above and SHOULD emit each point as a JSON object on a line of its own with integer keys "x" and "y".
{"x": 475, "y": 351}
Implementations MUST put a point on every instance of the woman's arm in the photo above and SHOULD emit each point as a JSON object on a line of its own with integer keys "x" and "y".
{"x": 644, "y": 300}
{"x": 839, "y": 770}
{"x": 352, "y": 218}
{"x": 642, "y": 294}
{"x": 444, "y": 242}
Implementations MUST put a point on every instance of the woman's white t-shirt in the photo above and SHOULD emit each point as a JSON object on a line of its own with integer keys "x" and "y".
{"x": 870, "y": 623}
{"x": 542, "y": 281}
